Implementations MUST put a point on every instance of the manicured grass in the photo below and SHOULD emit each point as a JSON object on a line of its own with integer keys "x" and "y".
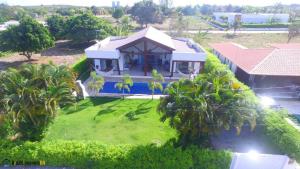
{"x": 111, "y": 121}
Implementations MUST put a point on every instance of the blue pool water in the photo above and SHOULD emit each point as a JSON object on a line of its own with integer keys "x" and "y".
{"x": 137, "y": 88}
{"x": 297, "y": 117}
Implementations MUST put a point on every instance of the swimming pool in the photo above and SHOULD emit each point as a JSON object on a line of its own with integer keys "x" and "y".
{"x": 137, "y": 88}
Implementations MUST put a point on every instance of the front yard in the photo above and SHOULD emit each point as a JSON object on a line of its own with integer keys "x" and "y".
{"x": 111, "y": 121}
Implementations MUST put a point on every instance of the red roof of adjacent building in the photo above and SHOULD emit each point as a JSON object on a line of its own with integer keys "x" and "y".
{"x": 278, "y": 60}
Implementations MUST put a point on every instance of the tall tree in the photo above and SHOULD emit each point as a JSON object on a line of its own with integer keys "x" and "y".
{"x": 31, "y": 95}
{"x": 56, "y": 25}
{"x": 294, "y": 30}
{"x": 125, "y": 84}
{"x": 156, "y": 82}
{"x": 28, "y": 37}
{"x": 96, "y": 83}
{"x": 118, "y": 13}
{"x": 87, "y": 27}
{"x": 146, "y": 12}
{"x": 206, "y": 105}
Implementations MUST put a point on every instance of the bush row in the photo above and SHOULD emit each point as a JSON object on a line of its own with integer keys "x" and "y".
{"x": 212, "y": 64}
{"x": 95, "y": 155}
{"x": 266, "y": 25}
{"x": 81, "y": 67}
{"x": 282, "y": 134}
{"x": 275, "y": 25}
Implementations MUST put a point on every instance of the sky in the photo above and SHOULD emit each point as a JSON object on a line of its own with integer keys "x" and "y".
{"x": 130, "y": 2}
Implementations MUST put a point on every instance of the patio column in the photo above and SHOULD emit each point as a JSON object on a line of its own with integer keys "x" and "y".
{"x": 172, "y": 67}
{"x": 118, "y": 67}
{"x": 145, "y": 58}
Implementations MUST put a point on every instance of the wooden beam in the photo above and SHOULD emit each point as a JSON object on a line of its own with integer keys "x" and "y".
{"x": 137, "y": 48}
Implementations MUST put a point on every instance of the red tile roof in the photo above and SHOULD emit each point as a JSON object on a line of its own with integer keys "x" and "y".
{"x": 280, "y": 60}
{"x": 243, "y": 57}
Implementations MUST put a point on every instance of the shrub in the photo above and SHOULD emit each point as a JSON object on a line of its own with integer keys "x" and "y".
{"x": 267, "y": 25}
{"x": 81, "y": 67}
{"x": 95, "y": 155}
{"x": 283, "y": 135}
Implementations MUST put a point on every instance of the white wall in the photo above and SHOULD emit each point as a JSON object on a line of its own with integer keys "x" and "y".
{"x": 252, "y": 18}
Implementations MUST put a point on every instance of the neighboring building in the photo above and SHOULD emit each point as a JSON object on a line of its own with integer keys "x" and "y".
{"x": 259, "y": 18}
{"x": 275, "y": 66}
{"x": 115, "y": 4}
{"x": 8, "y": 24}
{"x": 145, "y": 50}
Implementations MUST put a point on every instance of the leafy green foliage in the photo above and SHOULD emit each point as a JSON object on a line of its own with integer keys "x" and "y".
{"x": 56, "y": 26}
{"x": 124, "y": 28}
{"x": 155, "y": 82}
{"x": 81, "y": 68}
{"x": 118, "y": 13}
{"x": 87, "y": 27}
{"x": 145, "y": 12}
{"x": 95, "y": 155}
{"x": 125, "y": 84}
{"x": 96, "y": 83}
{"x": 213, "y": 101}
{"x": 283, "y": 135}
{"x": 31, "y": 95}
{"x": 28, "y": 37}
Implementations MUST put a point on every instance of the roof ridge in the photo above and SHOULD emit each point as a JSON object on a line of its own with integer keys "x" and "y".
{"x": 261, "y": 62}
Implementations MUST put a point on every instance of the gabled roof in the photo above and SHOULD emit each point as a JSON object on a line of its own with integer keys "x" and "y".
{"x": 280, "y": 60}
{"x": 151, "y": 34}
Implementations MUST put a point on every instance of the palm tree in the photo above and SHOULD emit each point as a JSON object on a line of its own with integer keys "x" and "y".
{"x": 32, "y": 94}
{"x": 156, "y": 82}
{"x": 96, "y": 83}
{"x": 124, "y": 85}
{"x": 202, "y": 107}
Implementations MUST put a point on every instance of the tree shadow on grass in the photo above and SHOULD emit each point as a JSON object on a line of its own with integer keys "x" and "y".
{"x": 141, "y": 109}
{"x": 102, "y": 100}
{"x": 81, "y": 105}
{"x": 106, "y": 110}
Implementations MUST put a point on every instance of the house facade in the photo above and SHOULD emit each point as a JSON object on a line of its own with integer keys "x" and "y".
{"x": 259, "y": 18}
{"x": 148, "y": 49}
{"x": 276, "y": 68}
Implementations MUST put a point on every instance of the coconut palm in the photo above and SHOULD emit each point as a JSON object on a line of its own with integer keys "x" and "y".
{"x": 124, "y": 85}
{"x": 202, "y": 107}
{"x": 31, "y": 95}
{"x": 96, "y": 83}
{"x": 156, "y": 82}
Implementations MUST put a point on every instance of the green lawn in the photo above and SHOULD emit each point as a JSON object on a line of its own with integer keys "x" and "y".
{"x": 110, "y": 121}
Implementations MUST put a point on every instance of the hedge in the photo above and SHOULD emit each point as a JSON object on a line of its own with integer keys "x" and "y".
{"x": 95, "y": 155}
{"x": 275, "y": 25}
{"x": 266, "y": 25}
{"x": 281, "y": 134}
{"x": 82, "y": 69}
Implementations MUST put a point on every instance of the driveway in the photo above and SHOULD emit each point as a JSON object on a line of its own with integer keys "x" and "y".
{"x": 293, "y": 106}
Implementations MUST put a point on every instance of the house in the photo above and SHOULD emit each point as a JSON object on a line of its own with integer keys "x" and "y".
{"x": 275, "y": 66}
{"x": 255, "y": 18}
{"x": 145, "y": 50}
{"x": 260, "y": 161}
